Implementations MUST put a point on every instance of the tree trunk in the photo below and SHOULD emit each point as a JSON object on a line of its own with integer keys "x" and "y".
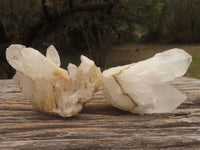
{"x": 3, "y": 35}
{"x": 99, "y": 56}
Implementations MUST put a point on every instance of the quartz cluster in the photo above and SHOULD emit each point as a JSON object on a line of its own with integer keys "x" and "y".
{"x": 50, "y": 88}
{"x": 145, "y": 87}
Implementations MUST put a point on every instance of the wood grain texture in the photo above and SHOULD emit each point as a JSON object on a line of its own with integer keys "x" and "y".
{"x": 99, "y": 125}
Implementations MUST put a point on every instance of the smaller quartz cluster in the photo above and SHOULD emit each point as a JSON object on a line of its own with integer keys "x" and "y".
{"x": 145, "y": 87}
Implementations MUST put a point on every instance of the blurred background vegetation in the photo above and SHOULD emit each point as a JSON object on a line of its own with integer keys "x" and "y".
{"x": 111, "y": 32}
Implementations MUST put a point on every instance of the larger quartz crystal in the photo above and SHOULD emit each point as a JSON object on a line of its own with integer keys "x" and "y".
{"x": 50, "y": 88}
{"x": 145, "y": 87}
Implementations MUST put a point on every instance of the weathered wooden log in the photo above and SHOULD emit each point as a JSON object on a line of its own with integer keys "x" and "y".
{"x": 99, "y": 125}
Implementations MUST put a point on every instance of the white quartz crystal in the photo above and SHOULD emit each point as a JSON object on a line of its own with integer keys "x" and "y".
{"x": 50, "y": 88}
{"x": 145, "y": 87}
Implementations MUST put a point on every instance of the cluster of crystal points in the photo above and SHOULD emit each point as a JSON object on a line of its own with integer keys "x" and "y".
{"x": 144, "y": 87}
{"x": 50, "y": 88}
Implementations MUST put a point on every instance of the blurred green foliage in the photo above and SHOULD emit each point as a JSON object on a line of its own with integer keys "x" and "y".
{"x": 127, "y": 15}
{"x": 151, "y": 12}
{"x": 92, "y": 26}
{"x": 180, "y": 21}
{"x": 16, "y": 15}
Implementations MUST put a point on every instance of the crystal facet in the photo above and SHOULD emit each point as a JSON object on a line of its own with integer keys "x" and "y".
{"x": 50, "y": 88}
{"x": 144, "y": 87}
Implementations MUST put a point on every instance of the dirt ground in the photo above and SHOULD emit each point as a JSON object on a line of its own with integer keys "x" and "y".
{"x": 129, "y": 53}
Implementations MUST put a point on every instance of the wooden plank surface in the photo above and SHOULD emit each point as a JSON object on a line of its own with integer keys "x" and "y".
{"x": 99, "y": 125}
